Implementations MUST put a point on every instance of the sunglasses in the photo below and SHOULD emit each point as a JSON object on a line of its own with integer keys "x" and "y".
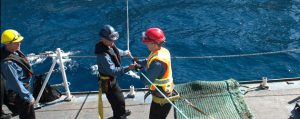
{"x": 114, "y": 36}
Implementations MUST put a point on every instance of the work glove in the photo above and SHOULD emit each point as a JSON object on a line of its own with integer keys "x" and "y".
{"x": 138, "y": 67}
{"x": 135, "y": 59}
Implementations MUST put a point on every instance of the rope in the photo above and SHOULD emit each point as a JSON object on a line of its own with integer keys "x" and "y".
{"x": 196, "y": 108}
{"x": 191, "y": 57}
{"x": 238, "y": 55}
{"x": 127, "y": 25}
{"x": 164, "y": 96}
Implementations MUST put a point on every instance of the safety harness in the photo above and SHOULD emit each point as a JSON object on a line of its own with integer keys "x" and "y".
{"x": 18, "y": 58}
{"x": 106, "y": 80}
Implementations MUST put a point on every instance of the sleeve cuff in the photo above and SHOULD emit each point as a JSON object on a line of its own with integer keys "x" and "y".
{"x": 28, "y": 98}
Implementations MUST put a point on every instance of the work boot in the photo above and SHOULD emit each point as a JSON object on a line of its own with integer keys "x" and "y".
{"x": 5, "y": 116}
{"x": 127, "y": 112}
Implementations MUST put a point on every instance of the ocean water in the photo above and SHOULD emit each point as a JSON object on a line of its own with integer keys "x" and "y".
{"x": 192, "y": 28}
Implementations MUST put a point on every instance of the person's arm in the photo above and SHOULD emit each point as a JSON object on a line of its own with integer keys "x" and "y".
{"x": 12, "y": 73}
{"x": 124, "y": 52}
{"x": 156, "y": 70}
{"x": 106, "y": 66}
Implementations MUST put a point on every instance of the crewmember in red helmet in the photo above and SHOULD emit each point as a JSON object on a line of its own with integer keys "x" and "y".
{"x": 157, "y": 67}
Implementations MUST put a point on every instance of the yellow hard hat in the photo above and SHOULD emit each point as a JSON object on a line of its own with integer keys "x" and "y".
{"x": 10, "y": 35}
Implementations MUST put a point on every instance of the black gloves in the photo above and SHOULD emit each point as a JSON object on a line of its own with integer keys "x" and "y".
{"x": 138, "y": 66}
{"x": 135, "y": 59}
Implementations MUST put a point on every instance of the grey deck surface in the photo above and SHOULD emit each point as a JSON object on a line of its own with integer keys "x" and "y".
{"x": 275, "y": 103}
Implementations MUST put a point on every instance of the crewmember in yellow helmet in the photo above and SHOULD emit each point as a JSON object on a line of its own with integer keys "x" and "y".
{"x": 16, "y": 73}
{"x": 157, "y": 67}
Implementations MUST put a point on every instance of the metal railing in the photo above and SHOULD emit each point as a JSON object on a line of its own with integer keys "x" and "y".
{"x": 57, "y": 56}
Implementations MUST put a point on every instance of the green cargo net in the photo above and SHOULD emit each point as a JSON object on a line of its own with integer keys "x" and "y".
{"x": 216, "y": 99}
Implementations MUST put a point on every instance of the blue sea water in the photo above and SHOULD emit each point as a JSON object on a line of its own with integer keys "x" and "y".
{"x": 192, "y": 28}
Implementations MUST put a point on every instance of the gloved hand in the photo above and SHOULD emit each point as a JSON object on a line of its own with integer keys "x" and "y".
{"x": 135, "y": 59}
{"x": 138, "y": 67}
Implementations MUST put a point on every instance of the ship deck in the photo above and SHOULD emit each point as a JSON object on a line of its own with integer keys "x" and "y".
{"x": 277, "y": 102}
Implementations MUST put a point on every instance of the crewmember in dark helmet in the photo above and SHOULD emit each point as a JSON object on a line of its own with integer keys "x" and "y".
{"x": 109, "y": 67}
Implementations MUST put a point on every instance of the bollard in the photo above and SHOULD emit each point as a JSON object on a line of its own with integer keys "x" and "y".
{"x": 131, "y": 94}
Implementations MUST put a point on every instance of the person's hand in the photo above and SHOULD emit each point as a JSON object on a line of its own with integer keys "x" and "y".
{"x": 127, "y": 53}
{"x": 32, "y": 102}
{"x": 135, "y": 59}
{"x": 132, "y": 66}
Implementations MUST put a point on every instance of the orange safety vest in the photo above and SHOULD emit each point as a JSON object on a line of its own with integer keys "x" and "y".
{"x": 165, "y": 82}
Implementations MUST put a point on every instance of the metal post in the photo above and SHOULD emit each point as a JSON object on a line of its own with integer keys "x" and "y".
{"x": 264, "y": 81}
{"x": 45, "y": 82}
{"x": 61, "y": 65}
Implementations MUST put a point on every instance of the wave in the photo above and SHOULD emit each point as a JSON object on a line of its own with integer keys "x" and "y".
{"x": 295, "y": 10}
{"x": 35, "y": 59}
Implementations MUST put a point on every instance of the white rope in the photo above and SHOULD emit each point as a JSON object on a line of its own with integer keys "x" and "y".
{"x": 164, "y": 96}
{"x": 238, "y": 55}
{"x": 191, "y": 57}
{"x": 127, "y": 26}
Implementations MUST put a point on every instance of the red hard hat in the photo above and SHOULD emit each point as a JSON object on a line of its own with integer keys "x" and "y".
{"x": 154, "y": 35}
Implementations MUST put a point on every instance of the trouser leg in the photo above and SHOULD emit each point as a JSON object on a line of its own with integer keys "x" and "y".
{"x": 2, "y": 93}
{"x": 158, "y": 111}
{"x": 117, "y": 101}
{"x": 26, "y": 110}
{"x": 9, "y": 101}
{"x": 8, "y": 98}
{"x": 100, "y": 104}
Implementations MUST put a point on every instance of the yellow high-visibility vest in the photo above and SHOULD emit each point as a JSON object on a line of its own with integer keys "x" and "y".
{"x": 165, "y": 82}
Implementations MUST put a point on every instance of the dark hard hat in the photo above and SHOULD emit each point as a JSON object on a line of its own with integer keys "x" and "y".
{"x": 109, "y": 33}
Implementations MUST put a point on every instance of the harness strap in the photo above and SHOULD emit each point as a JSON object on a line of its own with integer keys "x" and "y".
{"x": 104, "y": 77}
{"x": 146, "y": 95}
{"x": 160, "y": 100}
{"x": 161, "y": 82}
